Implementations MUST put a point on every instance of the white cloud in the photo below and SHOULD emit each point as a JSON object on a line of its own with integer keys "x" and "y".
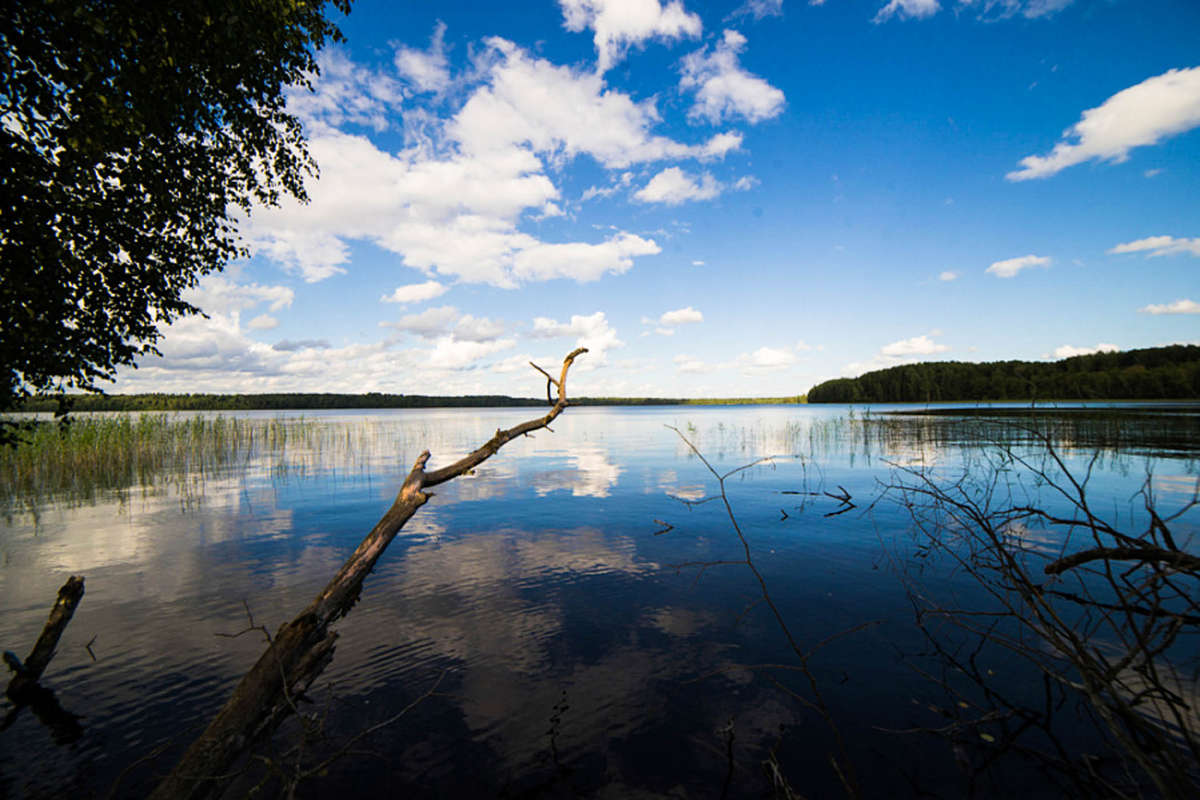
{"x": 763, "y": 8}
{"x": 263, "y": 322}
{"x": 415, "y": 293}
{"x": 1145, "y": 114}
{"x": 1152, "y": 173}
{"x": 427, "y": 70}
{"x": 216, "y": 294}
{"x": 767, "y": 358}
{"x": 477, "y": 329}
{"x": 1178, "y": 307}
{"x": 428, "y": 324}
{"x": 899, "y": 352}
{"x": 697, "y": 263}
{"x": 681, "y": 316}
{"x": 803, "y": 346}
{"x": 1003, "y": 9}
{"x": 289, "y": 345}
{"x": 916, "y": 346}
{"x": 1010, "y": 267}
{"x": 723, "y": 89}
{"x": 910, "y": 9}
{"x": 1160, "y": 246}
{"x": 580, "y": 261}
{"x": 1067, "y": 351}
{"x": 620, "y": 182}
{"x": 591, "y": 331}
{"x": 453, "y": 353}
{"x": 345, "y": 92}
{"x": 619, "y": 24}
{"x": 560, "y": 112}
{"x": 692, "y": 365}
{"x": 453, "y": 201}
{"x": 745, "y": 183}
{"x": 673, "y": 186}
{"x": 948, "y": 275}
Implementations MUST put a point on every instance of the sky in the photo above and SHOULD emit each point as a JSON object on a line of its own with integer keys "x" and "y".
{"x": 723, "y": 199}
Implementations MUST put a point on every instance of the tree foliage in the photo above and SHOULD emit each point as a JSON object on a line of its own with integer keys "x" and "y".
{"x": 135, "y": 136}
{"x": 1149, "y": 374}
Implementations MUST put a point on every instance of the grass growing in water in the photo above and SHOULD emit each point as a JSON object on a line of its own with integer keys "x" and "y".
{"x": 94, "y": 454}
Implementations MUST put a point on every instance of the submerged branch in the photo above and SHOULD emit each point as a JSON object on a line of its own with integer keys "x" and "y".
{"x": 303, "y": 647}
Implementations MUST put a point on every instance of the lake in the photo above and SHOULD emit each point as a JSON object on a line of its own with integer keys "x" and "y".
{"x": 574, "y": 618}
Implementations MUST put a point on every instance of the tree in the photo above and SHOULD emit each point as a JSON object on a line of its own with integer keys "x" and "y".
{"x": 135, "y": 135}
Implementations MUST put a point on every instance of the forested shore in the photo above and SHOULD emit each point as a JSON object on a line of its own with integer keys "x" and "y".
{"x": 370, "y": 400}
{"x": 1156, "y": 373}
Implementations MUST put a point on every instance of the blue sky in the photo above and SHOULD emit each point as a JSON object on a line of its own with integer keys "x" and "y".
{"x": 717, "y": 198}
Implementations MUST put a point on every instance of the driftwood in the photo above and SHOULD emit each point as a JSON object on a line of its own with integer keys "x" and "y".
{"x": 303, "y": 647}
{"x": 28, "y": 673}
{"x": 24, "y": 689}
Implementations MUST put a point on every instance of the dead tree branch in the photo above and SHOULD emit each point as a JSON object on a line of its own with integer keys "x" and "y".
{"x": 303, "y": 647}
{"x": 1112, "y": 628}
{"x": 28, "y": 673}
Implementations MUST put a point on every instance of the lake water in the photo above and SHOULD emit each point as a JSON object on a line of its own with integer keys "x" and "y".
{"x": 564, "y": 600}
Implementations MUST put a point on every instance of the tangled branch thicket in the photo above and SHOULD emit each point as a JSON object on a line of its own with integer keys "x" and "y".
{"x": 1107, "y": 611}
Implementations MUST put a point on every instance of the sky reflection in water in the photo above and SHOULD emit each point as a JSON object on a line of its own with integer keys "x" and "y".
{"x": 577, "y": 655}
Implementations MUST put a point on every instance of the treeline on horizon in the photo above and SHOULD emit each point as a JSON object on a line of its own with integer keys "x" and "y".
{"x": 1156, "y": 373}
{"x": 371, "y": 400}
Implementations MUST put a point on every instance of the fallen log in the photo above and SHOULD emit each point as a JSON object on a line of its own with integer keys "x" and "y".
{"x": 27, "y": 673}
{"x": 303, "y": 647}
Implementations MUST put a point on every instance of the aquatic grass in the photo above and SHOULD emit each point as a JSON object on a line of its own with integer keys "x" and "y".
{"x": 93, "y": 454}
{"x": 98, "y": 454}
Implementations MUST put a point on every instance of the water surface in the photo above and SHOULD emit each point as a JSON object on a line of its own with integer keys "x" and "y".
{"x": 564, "y": 599}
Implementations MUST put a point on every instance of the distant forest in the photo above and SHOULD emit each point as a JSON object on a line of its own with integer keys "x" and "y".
{"x": 1156, "y": 373}
{"x": 281, "y": 402}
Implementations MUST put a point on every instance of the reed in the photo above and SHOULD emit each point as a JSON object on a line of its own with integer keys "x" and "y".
{"x": 95, "y": 454}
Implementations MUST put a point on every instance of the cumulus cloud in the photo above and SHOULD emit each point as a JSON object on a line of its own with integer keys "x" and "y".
{"x": 896, "y": 353}
{"x": 263, "y": 322}
{"x": 618, "y": 183}
{"x": 346, "y": 93}
{"x": 723, "y": 88}
{"x": 1178, "y": 307}
{"x": 1068, "y": 351}
{"x": 216, "y": 294}
{"x": 289, "y": 345}
{"x": 427, "y": 70}
{"x": 1144, "y": 114}
{"x": 673, "y": 186}
{"x": 767, "y": 358}
{"x": 477, "y": 329}
{"x": 591, "y": 331}
{"x": 415, "y": 293}
{"x": 450, "y": 352}
{"x": 562, "y": 112}
{"x": 907, "y": 9}
{"x": 453, "y": 203}
{"x": 1159, "y": 246}
{"x": 428, "y": 324}
{"x": 1011, "y": 266}
{"x": 681, "y": 316}
{"x": 620, "y": 24}
{"x": 579, "y": 261}
{"x": 692, "y": 365}
{"x": 948, "y": 275}
{"x": 916, "y": 346}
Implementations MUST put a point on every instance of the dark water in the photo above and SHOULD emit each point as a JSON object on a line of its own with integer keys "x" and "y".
{"x": 562, "y": 600}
